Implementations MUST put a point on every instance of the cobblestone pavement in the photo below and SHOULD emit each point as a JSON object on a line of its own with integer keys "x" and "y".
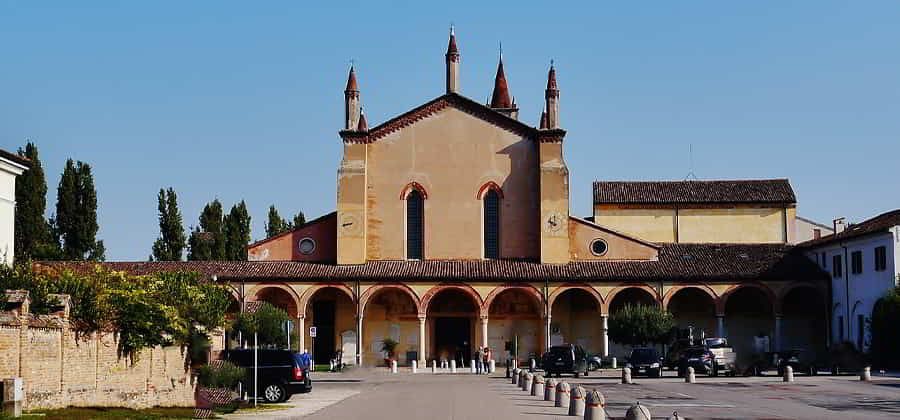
{"x": 376, "y": 394}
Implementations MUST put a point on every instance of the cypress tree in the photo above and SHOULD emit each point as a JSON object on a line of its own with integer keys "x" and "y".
{"x": 76, "y": 214}
{"x": 237, "y": 232}
{"x": 276, "y": 224}
{"x": 299, "y": 219}
{"x": 207, "y": 242}
{"x": 32, "y": 231}
{"x": 171, "y": 242}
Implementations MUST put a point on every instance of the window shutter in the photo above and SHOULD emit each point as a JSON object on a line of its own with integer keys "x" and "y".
{"x": 415, "y": 219}
{"x": 492, "y": 225}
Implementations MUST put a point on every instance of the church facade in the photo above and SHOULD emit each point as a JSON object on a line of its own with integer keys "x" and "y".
{"x": 452, "y": 230}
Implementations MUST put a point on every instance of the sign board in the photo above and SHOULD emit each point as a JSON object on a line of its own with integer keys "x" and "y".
{"x": 312, "y": 332}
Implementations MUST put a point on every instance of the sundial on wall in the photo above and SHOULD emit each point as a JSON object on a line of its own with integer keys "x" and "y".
{"x": 553, "y": 222}
{"x": 350, "y": 224}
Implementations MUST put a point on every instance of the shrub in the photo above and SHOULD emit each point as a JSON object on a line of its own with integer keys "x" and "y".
{"x": 885, "y": 344}
{"x": 220, "y": 375}
{"x": 640, "y": 324}
{"x": 267, "y": 322}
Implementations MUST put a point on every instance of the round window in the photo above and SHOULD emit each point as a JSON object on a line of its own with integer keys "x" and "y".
{"x": 599, "y": 247}
{"x": 306, "y": 246}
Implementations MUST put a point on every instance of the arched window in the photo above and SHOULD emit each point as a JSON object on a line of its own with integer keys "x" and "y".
{"x": 492, "y": 224}
{"x": 415, "y": 221}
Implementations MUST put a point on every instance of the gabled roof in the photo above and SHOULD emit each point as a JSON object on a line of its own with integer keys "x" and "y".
{"x": 431, "y": 107}
{"x": 758, "y": 191}
{"x": 312, "y": 222}
{"x": 881, "y": 223}
{"x": 626, "y": 236}
{"x": 676, "y": 262}
{"x": 15, "y": 158}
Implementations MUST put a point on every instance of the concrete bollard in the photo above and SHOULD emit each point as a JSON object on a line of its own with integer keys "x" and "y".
{"x": 529, "y": 382}
{"x": 690, "y": 377}
{"x": 13, "y": 397}
{"x": 515, "y": 363}
{"x": 866, "y": 374}
{"x": 515, "y": 376}
{"x": 492, "y": 364}
{"x": 788, "y": 374}
{"x": 637, "y": 412}
{"x": 626, "y": 376}
{"x": 576, "y": 401}
{"x": 393, "y": 366}
{"x": 414, "y": 366}
{"x": 614, "y": 364}
{"x": 472, "y": 367}
{"x": 550, "y": 390}
{"x": 595, "y": 406}
{"x": 537, "y": 389}
{"x": 562, "y": 395}
{"x": 522, "y": 375}
{"x": 453, "y": 366}
{"x": 532, "y": 365}
{"x": 434, "y": 366}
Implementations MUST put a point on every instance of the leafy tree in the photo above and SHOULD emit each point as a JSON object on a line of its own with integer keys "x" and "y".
{"x": 171, "y": 243}
{"x": 76, "y": 213}
{"x": 885, "y": 341}
{"x": 267, "y": 322}
{"x": 237, "y": 232}
{"x": 299, "y": 219}
{"x": 32, "y": 232}
{"x": 640, "y": 324}
{"x": 276, "y": 225}
{"x": 207, "y": 241}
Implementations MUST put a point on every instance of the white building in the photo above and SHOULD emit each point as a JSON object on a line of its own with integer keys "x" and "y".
{"x": 11, "y": 166}
{"x": 864, "y": 263}
{"x": 807, "y": 230}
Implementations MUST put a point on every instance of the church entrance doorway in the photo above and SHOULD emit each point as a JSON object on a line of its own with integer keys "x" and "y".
{"x": 454, "y": 338}
{"x": 451, "y": 314}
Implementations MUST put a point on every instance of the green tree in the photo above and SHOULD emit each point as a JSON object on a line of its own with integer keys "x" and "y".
{"x": 33, "y": 239}
{"x": 299, "y": 219}
{"x": 171, "y": 242}
{"x": 76, "y": 213}
{"x": 885, "y": 341}
{"x": 276, "y": 225}
{"x": 237, "y": 232}
{"x": 207, "y": 241}
{"x": 638, "y": 325}
{"x": 267, "y": 322}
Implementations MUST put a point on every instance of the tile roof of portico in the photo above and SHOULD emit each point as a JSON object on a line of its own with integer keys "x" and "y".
{"x": 698, "y": 262}
{"x": 757, "y": 191}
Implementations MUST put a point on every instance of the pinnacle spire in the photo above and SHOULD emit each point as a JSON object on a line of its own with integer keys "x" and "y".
{"x": 500, "y": 97}
{"x": 351, "y": 81}
{"x": 363, "y": 125}
{"x": 451, "y": 47}
{"x": 551, "y": 78}
{"x": 544, "y": 124}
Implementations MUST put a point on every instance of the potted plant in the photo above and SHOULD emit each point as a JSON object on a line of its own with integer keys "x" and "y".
{"x": 389, "y": 348}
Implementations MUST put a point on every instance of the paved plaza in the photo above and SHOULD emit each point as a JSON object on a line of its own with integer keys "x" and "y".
{"x": 376, "y": 394}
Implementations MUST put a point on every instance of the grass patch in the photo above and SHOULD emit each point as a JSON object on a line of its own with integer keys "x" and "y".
{"x": 249, "y": 409}
{"x": 89, "y": 413}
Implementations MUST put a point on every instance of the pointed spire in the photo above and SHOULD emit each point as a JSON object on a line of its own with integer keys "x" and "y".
{"x": 451, "y": 47}
{"x": 363, "y": 125}
{"x": 452, "y": 61}
{"x": 500, "y": 97}
{"x": 543, "y": 120}
{"x": 551, "y": 78}
{"x": 351, "y": 80}
{"x": 351, "y": 101}
{"x": 551, "y": 97}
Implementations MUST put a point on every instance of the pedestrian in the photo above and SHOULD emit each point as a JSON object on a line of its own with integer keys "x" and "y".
{"x": 479, "y": 354}
{"x": 305, "y": 359}
{"x": 486, "y": 360}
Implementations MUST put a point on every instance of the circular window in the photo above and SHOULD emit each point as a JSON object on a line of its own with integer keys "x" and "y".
{"x": 599, "y": 247}
{"x": 306, "y": 246}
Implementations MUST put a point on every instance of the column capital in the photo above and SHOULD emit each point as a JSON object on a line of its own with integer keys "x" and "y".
{"x": 421, "y": 318}
{"x": 722, "y": 315}
{"x": 483, "y": 318}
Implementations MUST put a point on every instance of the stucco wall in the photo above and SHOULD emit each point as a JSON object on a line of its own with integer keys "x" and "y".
{"x": 582, "y": 234}
{"x": 655, "y": 225}
{"x": 452, "y": 154}
{"x": 285, "y": 247}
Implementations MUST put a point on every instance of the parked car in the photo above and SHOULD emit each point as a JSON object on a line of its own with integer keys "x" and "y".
{"x": 644, "y": 361}
{"x": 566, "y": 358}
{"x": 281, "y": 373}
{"x": 799, "y": 360}
{"x": 595, "y": 362}
{"x": 698, "y": 357}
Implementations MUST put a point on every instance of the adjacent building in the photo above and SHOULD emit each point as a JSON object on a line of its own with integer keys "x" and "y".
{"x": 11, "y": 166}
{"x": 864, "y": 264}
{"x": 452, "y": 229}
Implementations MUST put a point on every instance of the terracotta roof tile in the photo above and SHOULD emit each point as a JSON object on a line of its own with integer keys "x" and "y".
{"x": 880, "y": 223}
{"x": 774, "y": 191}
{"x": 21, "y": 160}
{"x": 697, "y": 262}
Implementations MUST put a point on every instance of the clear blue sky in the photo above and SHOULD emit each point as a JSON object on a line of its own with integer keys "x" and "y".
{"x": 241, "y": 101}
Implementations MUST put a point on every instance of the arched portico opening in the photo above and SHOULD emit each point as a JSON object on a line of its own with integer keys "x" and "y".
{"x": 694, "y": 310}
{"x": 750, "y": 321}
{"x": 575, "y": 318}
{"x": 390, "y": 312}
{"x": 451, "y": 317}
{"x": 803, "y": 311}
{"x": 329, "y": 308}
{"x": 515, "y": 315}
{"x": 629, "y": 295}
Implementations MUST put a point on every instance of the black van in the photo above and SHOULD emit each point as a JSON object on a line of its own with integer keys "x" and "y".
{"x": 566, "y": 358}
{"x": 281, "y": 373}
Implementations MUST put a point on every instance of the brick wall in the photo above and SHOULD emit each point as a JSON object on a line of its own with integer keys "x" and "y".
{"x": 60, "y": 371}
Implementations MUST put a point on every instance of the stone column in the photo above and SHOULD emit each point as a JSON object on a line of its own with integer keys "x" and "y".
{"x": 777, "y": 338}
{"x": 422, "y": 340}
{"x": 720, "y": 325}
{"x": 359, "y": 340}
{"x": 604, "y": 339}
{"x": 301, "y": 337}
{"x": 484, "y": 331}
{"x": 547, "y": 332}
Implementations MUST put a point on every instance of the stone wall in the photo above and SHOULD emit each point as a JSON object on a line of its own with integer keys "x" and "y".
{"x": 60, "y": 370}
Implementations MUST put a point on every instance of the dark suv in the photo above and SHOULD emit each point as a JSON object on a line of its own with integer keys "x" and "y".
{"x": 281, "y": 373}
{"x": 566, "y": 358}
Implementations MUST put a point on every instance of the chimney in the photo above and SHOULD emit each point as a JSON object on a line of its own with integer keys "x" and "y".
{"x": 817, "y": 233}
{"x": 840, "y": 224}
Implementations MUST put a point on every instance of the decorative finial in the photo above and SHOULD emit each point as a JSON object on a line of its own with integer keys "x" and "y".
{"x": 451, "y": 29}
{"x": 551, "y": 62}
{"x": 501, "y": 50}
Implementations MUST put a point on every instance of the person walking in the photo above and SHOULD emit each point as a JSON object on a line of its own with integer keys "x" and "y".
{"x": 478, "y": 362}
{"x": 486, "y": 360}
